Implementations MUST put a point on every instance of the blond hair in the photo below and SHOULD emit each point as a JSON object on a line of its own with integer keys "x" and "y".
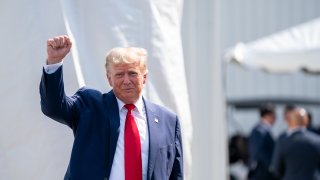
{"x": 127, "y": 55}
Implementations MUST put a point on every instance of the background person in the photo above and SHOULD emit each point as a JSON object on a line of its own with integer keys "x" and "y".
{"x": 297, "y": 156}
{"x": 261, "y": 145}
{"x": 288, "y": 115}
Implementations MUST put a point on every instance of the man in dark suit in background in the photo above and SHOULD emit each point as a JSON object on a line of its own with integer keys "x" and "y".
{"x": 118, "y": 135}
{"x": 261, "y": 145}
{"x": 297, "y": 156}
{"x": 288, "y": 111}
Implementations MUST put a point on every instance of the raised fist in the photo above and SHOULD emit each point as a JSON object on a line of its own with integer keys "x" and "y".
{"x": 57, "y": 48}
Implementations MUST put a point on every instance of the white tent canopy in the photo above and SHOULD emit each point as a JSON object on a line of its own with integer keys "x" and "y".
{"x": 297, "y": 48}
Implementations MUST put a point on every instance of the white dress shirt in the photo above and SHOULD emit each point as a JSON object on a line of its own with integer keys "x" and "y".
{"x": 49, "y": 69}
{"x": 139, "y": 113}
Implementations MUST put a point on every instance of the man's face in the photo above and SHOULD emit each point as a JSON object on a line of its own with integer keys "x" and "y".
{"x": 289, "y": 115}
{"x": 127, "y": 81}
{"x": 272, "y": 118}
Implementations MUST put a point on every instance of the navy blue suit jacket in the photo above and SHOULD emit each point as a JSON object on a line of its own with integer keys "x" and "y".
{"x": 261, "y": 146}
{"x": 297, "y": 156}
{"x": 94, "y": 119}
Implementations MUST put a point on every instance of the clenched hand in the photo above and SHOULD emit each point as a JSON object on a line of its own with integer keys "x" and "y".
{"x": 57, "y": 48}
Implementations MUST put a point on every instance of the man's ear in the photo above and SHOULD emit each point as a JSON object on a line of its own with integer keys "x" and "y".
{"x": 145, "y": 78}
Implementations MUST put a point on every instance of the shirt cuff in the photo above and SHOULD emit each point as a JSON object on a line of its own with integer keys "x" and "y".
{"x": 51, "y": 68}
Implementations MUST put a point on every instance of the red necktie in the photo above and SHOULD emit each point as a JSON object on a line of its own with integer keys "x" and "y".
{"x": 132, "y": 147}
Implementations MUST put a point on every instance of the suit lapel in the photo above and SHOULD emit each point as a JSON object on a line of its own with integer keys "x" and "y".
{"x": 113, "y": 114}
{"x": 154, "y": 131}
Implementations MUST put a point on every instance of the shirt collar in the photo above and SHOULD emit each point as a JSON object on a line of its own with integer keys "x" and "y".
{"x": 266, "y": 124}
{"x": 139, "y": 104}
{"x": 291, "y": 131}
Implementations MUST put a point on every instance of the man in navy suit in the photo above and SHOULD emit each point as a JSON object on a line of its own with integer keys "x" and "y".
{"x": 297, "y": 156}
{"x": 289, "y": 109}
{"x": 261, "y": 145}
{"x": 118, "y": 135}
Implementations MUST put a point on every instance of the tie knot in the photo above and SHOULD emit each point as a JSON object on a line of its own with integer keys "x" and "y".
{"x": 130, "y": 107}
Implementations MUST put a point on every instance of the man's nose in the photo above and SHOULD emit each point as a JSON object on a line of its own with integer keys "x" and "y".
{"x": 126, "y": 79}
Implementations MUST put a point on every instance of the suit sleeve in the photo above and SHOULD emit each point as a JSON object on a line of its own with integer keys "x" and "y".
{"x": 54, "y": 103}
{"x": 255, "y": 145}
{"x": 257, "y": 151}
{"x": 177, "y": 169}
{"x": 277, "y": 165}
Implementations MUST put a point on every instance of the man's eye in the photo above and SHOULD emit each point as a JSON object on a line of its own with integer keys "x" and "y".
{"x": 133, "y": 74}
{"x": 119, "y": 75}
